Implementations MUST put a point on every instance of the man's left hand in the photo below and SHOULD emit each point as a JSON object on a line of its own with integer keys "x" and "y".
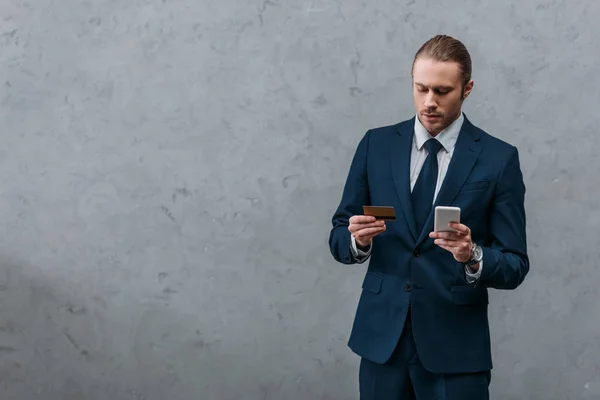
{"x": 458, "y": 243}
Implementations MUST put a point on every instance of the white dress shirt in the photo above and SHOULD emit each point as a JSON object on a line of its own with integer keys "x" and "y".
{"x": 418, "y": 155}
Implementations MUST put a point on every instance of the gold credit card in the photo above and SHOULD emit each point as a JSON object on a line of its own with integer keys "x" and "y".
{"x": 385, "y": 213}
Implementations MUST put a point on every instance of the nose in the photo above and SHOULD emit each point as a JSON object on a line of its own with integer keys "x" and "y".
{"x": 430, "y": 101}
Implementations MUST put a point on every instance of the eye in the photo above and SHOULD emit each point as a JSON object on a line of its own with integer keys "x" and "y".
{"x": 441, "y": 92}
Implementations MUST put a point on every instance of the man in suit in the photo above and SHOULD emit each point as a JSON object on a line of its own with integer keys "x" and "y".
{"x": 421, "y": 325}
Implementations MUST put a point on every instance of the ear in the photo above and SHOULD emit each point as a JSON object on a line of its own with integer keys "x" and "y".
{"x": 468, "y": 88}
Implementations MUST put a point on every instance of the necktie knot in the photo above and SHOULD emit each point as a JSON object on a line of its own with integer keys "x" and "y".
{"x": 433, "y": 146}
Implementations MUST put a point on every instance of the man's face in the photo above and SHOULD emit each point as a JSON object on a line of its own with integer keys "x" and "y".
{"x": 438, "y": 93}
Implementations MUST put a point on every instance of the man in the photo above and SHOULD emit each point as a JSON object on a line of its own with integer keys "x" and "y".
{"x": 421, "y": 326}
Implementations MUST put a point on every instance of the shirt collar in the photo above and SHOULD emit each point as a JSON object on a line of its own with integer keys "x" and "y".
{"x": 447, "y": 137}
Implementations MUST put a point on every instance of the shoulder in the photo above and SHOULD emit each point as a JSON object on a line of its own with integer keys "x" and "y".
{"x": 492, "y": 144}
{"x": 382, "y": 134}
{"x": 389, "y": 129}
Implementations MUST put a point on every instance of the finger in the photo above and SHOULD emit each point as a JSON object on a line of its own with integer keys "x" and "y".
{"x": 357, "y": 227}
{"x": 370, "y": 231}
{"x": 462, "y": 229}
{"x": 449, "y": 249}
{"x": 367, "y": 225}
{"x": 373, "y": 224}
{"x": 375, "y": 234}
{"x": 370, "y": 237}
{"x": 447, "y": 235}
{"x": 362, "y": 219}
{"x": 365, "y": 233}
{"x": 448, "y": 243}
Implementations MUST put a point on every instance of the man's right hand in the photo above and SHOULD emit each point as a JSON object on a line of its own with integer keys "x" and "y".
{"x": 365, "y": 228}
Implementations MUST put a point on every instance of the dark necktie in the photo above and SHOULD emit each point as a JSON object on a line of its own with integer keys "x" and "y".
{"x": 424, "y": 189}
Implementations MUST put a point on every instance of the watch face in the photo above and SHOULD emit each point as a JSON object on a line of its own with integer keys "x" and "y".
{"x": 477, "y": 253}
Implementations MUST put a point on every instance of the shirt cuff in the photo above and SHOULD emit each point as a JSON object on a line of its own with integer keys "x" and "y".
{"x": 473, "y": 276}
{"x": 358, "y": 254}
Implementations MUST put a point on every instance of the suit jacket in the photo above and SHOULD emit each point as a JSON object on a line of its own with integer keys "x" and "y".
{"x": 449, "y": 315}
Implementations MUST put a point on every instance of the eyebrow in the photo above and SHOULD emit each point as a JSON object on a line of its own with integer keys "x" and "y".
{"x": 435, "y": 87}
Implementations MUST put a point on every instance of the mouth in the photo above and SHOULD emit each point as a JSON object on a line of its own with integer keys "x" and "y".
{"x": 432, "y": 116}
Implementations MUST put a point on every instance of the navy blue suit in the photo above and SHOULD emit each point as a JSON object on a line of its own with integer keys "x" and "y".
{"x": 449, "y": 315}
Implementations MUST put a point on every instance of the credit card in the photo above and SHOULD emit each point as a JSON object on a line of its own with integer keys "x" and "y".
{"x": 385, "y": 213}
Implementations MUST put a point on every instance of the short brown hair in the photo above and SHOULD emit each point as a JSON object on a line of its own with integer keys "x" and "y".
{"x": 446, "y": 48}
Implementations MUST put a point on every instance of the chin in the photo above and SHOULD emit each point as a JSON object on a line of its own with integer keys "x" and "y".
{"x": 434, "y": 129}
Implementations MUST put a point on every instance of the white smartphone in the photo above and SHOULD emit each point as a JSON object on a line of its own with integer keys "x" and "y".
{"x": 443, "y": 216}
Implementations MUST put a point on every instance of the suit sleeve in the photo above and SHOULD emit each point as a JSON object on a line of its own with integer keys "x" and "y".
{"x": 354, "y": 196}
{"x": 506, "y": 259}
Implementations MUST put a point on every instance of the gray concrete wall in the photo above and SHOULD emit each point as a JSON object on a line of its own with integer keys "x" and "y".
{"x": 169, "y": 168}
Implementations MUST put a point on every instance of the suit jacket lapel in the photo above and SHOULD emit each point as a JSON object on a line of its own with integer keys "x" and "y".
{"x": 400, "y": 163}
{"x": 466, "y": 152}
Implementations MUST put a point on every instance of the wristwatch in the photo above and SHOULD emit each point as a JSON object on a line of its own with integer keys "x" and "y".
{"x": 476, "y": 255}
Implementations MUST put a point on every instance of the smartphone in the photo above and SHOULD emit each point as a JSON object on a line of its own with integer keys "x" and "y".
{"x": 443, "y": 216}
{"x": 386, "y": 213}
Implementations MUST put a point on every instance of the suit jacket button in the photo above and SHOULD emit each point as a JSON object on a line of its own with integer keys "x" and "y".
{"x": 416, "y": 253}
{"x": 407, "y": 288}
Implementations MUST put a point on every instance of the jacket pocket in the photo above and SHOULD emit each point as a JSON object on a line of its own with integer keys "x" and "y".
{"x": 473, "y": 186}
{"x": 465, "y": 295}
{"x": 372, "y": 282}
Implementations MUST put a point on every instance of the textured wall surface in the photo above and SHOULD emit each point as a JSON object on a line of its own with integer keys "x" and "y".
{"x": 169, "y": 169}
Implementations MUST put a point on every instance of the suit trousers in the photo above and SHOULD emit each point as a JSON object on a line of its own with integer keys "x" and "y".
{"x": 403, "y": 377}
